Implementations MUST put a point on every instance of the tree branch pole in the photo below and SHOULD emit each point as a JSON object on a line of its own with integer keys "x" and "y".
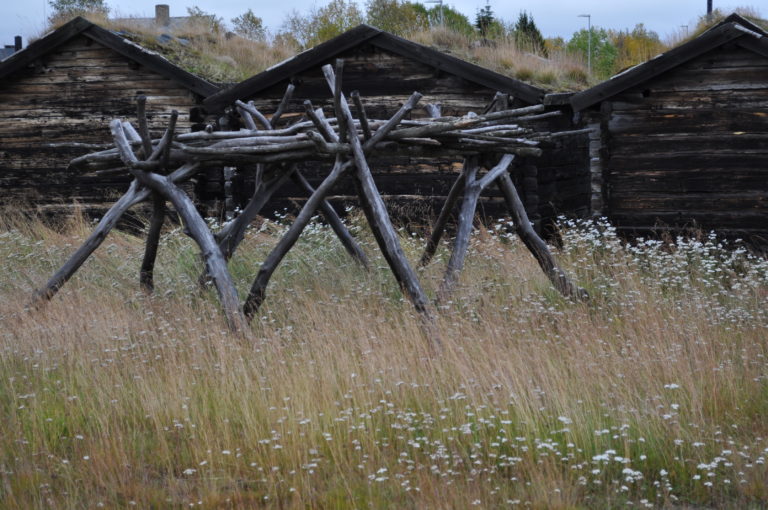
{"x": 535, "y": 244}
{"x": 135, "y": 195}
{"x": 346, "y": 238}
{"x": 442, "y": 219}
{"x": 402, "y": 270}
{"x": 258, "y": 289}
{"x": 215, "y": 263}
{"x": 473, "y": 187}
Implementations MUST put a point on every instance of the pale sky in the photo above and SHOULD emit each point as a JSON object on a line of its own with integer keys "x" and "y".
{"x": 553, "y": 17}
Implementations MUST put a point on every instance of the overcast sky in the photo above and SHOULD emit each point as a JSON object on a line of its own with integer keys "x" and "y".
{"x": 554, "y": 17}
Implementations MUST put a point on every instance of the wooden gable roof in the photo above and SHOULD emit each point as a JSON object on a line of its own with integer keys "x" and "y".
{"x": 364, "y": 34}
{"x": 734, "y": 29}
{"x": 129, "y": 49}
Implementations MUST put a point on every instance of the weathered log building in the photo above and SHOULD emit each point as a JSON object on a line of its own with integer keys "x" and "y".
{"x": 65, "y": 88}
{"x": 386, "y": 69}
{"x": 682, "y": 140}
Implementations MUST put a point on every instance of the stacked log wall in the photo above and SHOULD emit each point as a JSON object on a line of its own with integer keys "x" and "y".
{"x": 690, "y": 148}
{"x": 70, "y": 95}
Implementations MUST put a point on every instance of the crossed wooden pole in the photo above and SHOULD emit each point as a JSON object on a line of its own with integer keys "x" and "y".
{"x": 499, "y": 134}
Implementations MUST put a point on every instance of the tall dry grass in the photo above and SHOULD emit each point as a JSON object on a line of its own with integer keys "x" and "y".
{"x": 560, "y": 71}
{"x": 654, "y": 393}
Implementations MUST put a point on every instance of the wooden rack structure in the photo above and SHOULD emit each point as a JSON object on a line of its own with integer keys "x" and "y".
{"x": 491, "y": 140}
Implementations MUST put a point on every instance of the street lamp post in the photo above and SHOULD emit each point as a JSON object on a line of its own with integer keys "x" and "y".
{"x": 589, "y": 41}
{"x": 440, "y": 4}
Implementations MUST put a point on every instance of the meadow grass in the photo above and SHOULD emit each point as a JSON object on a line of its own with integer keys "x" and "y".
{"x": 652, "y": 394}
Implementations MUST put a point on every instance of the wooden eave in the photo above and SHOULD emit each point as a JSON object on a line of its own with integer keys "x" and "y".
{"x": 713, "y": 38}
{"x": 362, "y": 34}
{"x": 126, "y": 48}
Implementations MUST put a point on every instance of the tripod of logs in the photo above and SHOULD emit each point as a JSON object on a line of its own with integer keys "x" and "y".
{"x": 159, "y": 166}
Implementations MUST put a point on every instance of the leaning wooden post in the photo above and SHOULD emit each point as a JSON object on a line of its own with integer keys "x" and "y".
{"x": 259, "y": 288}
{"x": 442, "y": 220}
{"x": 466, "y": 218}
{"x": 215, "y": 263}
{"x": 135, "y": 195}
{"x": 472, "y": 189}
{"x": 341, "y": 231}
{"x": 536, "y": 244}
{"x": 147, "y": 271}
{"x": 390, "y": 242}
{"x": 230, "y": 237}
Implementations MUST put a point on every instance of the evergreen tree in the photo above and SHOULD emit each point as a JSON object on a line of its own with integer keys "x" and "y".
{"x": 528, "y": 36}
{"x": 484, "y": 20}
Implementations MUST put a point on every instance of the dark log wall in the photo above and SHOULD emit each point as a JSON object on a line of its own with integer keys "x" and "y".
{"x": 70, "y": 96}
{"x": 413, "y": 186}
{"x": 690, "y": 148}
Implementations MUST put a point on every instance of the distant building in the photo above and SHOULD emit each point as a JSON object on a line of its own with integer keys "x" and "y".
{"x": 161, "y": 21}
{"x": 10, "y": 49}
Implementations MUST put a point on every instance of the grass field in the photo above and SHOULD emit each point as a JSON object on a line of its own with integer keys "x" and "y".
{"x": 653, "y": 394}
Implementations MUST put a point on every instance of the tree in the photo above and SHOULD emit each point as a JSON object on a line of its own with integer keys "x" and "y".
{"x": 319, "y": 25}
{"x": 604, "y": 53}
{"x": 204, "y": 20}
{"x": 71, "y": 8}
{"x": 395, "y": 16}
{"x": 447, "y": 16}
{"x": 636, "y": 46}
{"x": 484, "y": 20}
{"x": 527, "y": 34}
{"x": 250, "y": 26}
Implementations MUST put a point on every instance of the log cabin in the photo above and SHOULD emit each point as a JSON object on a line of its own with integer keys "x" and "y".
{"x": 65, "y": 88}
{"x": 386, "y": 69}
{"x": 681, "y": 141}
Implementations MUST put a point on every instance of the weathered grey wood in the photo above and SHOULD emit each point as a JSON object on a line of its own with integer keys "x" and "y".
{"x": 341, "y": 231}
{"x": 536, "y": 244}
{"x": 283, "y": 105}
{"x": 361, "y": 115}
{"x": 472, "y": 192}
{"x": 166, "y": 154}
{"x": 442, "y": 220}
{"x": 147, "y": 271}
{"x": 335, "y": 85}
{"x": 233, "y": 233}
{"x": 141, "y": 114}
{"x": 258, "y": 289}
{"x": 433, "y": 109}
{"x": 247, "y": 119}
{"x": 321, "y": 123}
{"x": 105, "y": 225}
{"x": 216, "y": 264}
{"x": 135, "y": 195}
{"x": 399, "y": 264}
{"x": 251, "y": 109}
